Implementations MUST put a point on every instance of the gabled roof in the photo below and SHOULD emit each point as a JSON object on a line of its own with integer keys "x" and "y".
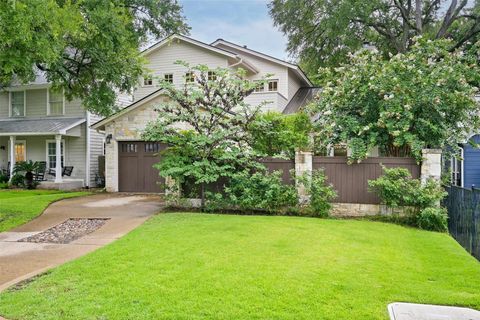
{"x": 203, "y": 45}
{"x": 100, "y": 124}
{"x": 174, "y": 36}
{"x": 292, "y": 66}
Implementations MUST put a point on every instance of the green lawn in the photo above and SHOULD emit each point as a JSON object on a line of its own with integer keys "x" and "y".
{"x": 196, "y": 266}
{"x": 20, "y": 206}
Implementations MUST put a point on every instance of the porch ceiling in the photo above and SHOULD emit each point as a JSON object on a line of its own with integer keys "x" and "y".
{"x": 30, "y": 127}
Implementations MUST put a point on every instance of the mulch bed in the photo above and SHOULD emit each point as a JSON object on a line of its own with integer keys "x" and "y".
{"x": 67, "y": 231}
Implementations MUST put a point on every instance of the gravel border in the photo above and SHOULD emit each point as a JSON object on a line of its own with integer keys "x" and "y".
{"x": 67, "y": 231}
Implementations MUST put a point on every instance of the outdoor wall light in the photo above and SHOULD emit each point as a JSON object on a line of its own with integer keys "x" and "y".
{"x": 108, "y": 138}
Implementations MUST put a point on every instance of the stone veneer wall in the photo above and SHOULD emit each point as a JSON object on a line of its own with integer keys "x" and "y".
{"x": 127, "y": 127}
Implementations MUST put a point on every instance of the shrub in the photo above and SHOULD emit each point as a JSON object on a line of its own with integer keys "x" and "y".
{"x": 3, "y": 185}
{"x": 396, "y": 187}
{"x": 259, "y": 191}
{"x": 321, "y": 194}
{"x": 277, "y": 134}
{"x": 3, "y": 178}
{"x": 434, "y": 219}
{"x": 18, "y": 180}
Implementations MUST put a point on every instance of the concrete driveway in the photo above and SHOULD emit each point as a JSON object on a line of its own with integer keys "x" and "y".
{"x": 21, "y": 260}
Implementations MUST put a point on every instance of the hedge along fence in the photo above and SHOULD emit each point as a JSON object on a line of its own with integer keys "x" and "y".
{"x": 351, "y": 180}
{"x": 286, "y": 166}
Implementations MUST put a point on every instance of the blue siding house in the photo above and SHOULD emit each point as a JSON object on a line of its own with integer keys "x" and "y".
{"x": 471, "y": 164}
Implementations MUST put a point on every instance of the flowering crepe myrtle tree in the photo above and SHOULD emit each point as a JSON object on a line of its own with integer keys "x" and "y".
{"x": 205, "y": 125}
{"x": 423, "y": 98}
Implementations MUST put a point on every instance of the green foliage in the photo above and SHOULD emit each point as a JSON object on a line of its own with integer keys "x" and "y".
{"x": 276, "y": 134}
{"x": 18, "y": 180}
{"x": 434, "y": 219}
{"x": 27, "y": 167}
{"x": 3, "y": 185}
{"x": 323, "y": 33}
{"x": 205, "y": 126}
{"x": 3, "y": 178}
{"x": 321, "y": 194}
{"x": 259, "y": 191}
{"x": 89, "y": 48}
{"x": 396, "y": 187}
{"x": 421, "y": 99}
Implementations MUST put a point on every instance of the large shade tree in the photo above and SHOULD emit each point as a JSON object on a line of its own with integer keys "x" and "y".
{"x": 423, "y": 98}
{"x": 90, "y": 48}
{"x": 322, "y": 32}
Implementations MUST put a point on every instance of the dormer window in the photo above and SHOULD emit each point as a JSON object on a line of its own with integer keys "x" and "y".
{"x": 56, "y": 103}
{"x": 17, "y": 103}
{"x": 273, "y": 85}
{"x": 168, "y": 77}
{"x": 189, "y": 77}
{"x": 148, "y": 81}
{"x": 259, "y": 87}
{"x": 212, "y": 76}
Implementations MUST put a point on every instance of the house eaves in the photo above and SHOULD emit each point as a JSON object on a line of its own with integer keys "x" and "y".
{"x": 289, "y": 65}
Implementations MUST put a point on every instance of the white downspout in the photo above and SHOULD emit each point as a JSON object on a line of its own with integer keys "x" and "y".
{"x": 87, "y": 160}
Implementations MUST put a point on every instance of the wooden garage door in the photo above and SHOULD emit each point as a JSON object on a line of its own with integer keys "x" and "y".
{"x": 135, "y": 167}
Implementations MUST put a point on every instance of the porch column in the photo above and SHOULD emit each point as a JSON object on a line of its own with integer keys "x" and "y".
{"x": 12, "y": 155}
{"x": 58, "y": 158}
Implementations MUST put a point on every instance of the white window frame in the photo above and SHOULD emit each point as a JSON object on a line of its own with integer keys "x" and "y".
{"x": 48, "y": 103}
{"x": 453, "y": 164}
{"x": 145, "y": 78}
{"x": 46, "y": 151}
{"x": 259, "y": 89}
{"x": 165, "y": 77}
{"x": 188, "y": 75}
{"x": 10, "y": 113}
{"x": 268, "y": 85}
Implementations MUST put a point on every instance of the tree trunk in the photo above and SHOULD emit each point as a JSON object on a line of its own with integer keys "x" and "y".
{"x": 202, "y": 195}
{"x": 418, "y": 16}
{"x": 29, "y": 179}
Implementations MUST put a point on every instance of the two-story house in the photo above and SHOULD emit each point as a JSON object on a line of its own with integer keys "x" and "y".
{"x": 129, "y": 160}
{"x": 37, "y": 123}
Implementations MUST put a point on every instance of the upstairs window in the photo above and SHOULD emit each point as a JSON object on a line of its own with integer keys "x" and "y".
{"x": 148, "y": 81}
{"x": 17, "y": 103}
{"x": 273, "y": 85}
{"x": 259, "y": 87}
{"x": 212, "y": 76}
{"x": 56, "y": 103}
{"x": 168, "y": 77}
{"x": 189, "y": 77}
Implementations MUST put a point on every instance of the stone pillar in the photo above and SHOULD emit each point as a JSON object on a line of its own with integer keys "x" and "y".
{"x": 303, "y": 167}
{"x": 111, "y": 166}
{"x": 58, "y": 159}
{"x": 431, "y": 164}
{"x": 11, "y": 156}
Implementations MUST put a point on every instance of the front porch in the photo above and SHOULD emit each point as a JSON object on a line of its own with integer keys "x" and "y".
{"x": 58, "y": 148}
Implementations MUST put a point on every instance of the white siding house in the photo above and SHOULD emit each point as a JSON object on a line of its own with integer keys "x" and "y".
{"x": 36, "y": 122}
{"x": 126, "y": 152}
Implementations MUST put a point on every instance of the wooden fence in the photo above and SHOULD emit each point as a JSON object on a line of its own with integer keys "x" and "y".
{"x": 286, "y": 166}
{"x": 351, "y": 181}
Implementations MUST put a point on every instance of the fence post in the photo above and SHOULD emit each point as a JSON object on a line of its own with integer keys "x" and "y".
{"x": 303, "y": 167}
{"x": 431, "y": 164}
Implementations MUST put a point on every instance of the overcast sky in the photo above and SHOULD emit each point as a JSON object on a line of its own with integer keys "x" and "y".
{"x": 245, "y": 22}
